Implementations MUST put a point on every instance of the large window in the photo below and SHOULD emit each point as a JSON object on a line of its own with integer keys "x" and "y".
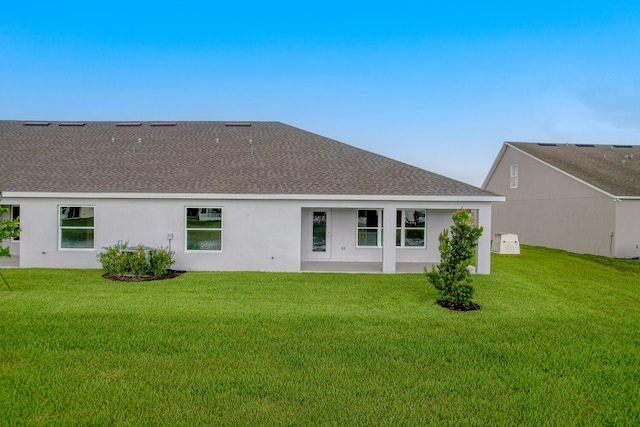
{"x": 204, "y": 229}
{"x": 411, "y": 228}
{"x": 77, "y": 227}
{"x": 369, "y": 228}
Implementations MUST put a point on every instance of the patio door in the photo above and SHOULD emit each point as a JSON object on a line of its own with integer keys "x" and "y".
{"x": 320, "y": 233}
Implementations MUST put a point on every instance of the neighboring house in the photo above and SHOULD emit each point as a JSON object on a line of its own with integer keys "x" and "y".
{"x": 582, "y": 198}
{"x": 224, "y": 196}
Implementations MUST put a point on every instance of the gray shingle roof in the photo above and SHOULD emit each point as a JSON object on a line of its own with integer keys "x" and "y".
{"x": 611, "y": 168}
{"x": 202, "y": 157}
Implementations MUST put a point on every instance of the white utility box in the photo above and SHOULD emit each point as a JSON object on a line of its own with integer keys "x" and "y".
{"x": 506, "y": 243}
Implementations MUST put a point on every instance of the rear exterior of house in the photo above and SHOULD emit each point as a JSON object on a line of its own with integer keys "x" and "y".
{"x": 231, "y": 196}
{"x": 581, "y": 198}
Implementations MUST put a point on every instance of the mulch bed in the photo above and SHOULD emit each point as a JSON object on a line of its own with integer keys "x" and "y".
{"x": 457, "y": 307}
{"x": 172, "y": 274}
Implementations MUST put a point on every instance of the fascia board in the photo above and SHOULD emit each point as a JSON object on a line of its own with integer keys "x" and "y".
{"x": 200, "y": 196}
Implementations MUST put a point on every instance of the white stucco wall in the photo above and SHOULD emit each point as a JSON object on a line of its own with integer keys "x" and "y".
{"x": 257, "y": 234}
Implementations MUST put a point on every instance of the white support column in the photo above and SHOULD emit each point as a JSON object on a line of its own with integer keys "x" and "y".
{"x": 483, "y": 255}
{"x": 389, "y": 240}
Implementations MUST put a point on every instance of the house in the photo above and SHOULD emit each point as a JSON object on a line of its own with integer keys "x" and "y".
{"x": 232, "y": 196}
{"x": 582, "y": 198}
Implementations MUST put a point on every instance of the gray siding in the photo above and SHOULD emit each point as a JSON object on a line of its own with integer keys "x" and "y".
{"x": 627, "y": 234}
{"x": 550, "y": 208}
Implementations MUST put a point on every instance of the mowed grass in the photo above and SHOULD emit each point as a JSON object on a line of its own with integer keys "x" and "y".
{"x": 557, "y": 342}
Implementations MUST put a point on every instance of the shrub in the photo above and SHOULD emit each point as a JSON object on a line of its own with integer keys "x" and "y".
{"x": 451, "y": 277}
{"x": 111, "y": 258}
{"x": 138, "y": 263}
{"x": 135, "y": 263}
{"x": 161, "y": 261}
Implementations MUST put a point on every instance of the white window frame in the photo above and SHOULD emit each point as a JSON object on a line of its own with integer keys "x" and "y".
{"x": 67, "y": 227}
{"x": 513, "y": 176}
{"x": 378, "y": 228}
{"x": 403, "y": 228}
{"x": 187, "y": 229}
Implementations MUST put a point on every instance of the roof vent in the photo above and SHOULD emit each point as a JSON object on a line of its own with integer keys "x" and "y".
{"x": 541, "y": 144}
{"x": 238, "y": 124}
{"x": 37, "y": 123}
{"x": 585, "y": 145}
{"x": 128, "y": 124}
{"x": 622, "y": 146}
{"x": 71, "y": 124}
{"x": 162, "y": 124}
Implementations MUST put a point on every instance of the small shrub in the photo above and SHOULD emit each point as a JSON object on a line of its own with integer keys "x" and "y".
{"x": 161, "y": 262}
{"x": 136, "y": 263}
{"x": 451, "y": 277}
{"x": 112, "y": 259}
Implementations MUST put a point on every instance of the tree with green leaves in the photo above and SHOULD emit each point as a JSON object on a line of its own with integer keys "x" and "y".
{"x": 452, "y": 277}
{"x": 9, "y": 229}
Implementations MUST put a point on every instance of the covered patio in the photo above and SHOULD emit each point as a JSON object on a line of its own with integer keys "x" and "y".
{"x": 341, "y": 237}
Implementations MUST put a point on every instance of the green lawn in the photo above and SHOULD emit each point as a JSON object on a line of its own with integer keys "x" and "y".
{"x": 557, "y": 342}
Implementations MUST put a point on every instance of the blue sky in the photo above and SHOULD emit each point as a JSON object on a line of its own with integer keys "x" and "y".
{"x": 439, "y": 85}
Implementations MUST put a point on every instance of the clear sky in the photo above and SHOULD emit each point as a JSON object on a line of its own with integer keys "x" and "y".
{"x": 440, "y": 85}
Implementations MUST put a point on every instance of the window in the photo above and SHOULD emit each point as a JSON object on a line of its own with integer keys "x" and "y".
{"x": 411, "y": 228}
{"x": 369, "y": 228}
{"x": 513, "y": 179}
{"x": 15, "y": 214}
{"x": 76, "y": 227}
{"x": 204, "y": 229}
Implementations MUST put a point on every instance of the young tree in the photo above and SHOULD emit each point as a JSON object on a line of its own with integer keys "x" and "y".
{"x": 9, "y": 228}
{"x": 451, "y": 277}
